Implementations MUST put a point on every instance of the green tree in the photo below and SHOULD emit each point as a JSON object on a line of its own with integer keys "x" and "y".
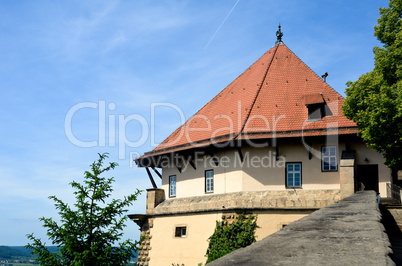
{"x": 87, "y": 234}
{"x": 374, "y": 101}
{"x": 229, "y": 237}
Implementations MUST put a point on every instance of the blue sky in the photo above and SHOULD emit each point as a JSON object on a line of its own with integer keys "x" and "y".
{"x": 79, "y": 78}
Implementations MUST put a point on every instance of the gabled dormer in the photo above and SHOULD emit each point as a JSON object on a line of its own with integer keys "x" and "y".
{"x": 317, "y": 107}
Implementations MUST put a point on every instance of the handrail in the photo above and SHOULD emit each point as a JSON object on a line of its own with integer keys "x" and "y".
{"x": 394, "y": 191}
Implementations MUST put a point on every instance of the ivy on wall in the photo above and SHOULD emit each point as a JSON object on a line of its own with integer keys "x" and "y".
{"x": 229, "y": 237}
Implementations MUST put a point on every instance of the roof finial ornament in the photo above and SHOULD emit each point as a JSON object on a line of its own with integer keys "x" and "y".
{"x": 279, "y": 35}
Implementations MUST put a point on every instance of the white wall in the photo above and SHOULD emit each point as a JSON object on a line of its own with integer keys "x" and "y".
{"x": 261, "y": 171}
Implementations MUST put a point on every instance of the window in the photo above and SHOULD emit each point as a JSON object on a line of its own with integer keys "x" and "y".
{"x": 317, "y": 111}
{"x": 172, "y": 186}
{"x": 209, "y": 181}
{"x": 293, "y": 175}
{"x": 180, "y": 231}
{"x": 329, "y": 159}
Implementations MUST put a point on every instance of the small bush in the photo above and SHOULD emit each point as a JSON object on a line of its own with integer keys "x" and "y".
{"x": 229, "y": 237}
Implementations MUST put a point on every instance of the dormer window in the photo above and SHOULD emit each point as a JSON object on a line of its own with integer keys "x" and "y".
{"x": 317, "y": 111}
{"x": 316, "y": 106}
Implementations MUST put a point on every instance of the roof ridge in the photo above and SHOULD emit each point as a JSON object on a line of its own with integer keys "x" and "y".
{"x": 325, "y": 83}
{"x": 217, "y": 96}
{"x": 233, "y": 81}
{"x": 257, "y": 93}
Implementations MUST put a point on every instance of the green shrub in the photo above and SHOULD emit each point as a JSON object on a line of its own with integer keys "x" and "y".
{"x": 229, "y": 237}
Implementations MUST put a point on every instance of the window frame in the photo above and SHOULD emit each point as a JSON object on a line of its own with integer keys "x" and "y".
{"x": 172, "y": 187}
{"x": 209, "y": 181}
{"x": 178, "y": 231}
{"x": 323, "y": 157}
{"x": 286, "y": 175}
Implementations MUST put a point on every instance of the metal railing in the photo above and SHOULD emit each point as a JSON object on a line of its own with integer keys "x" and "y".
{"x": 394, "y": 191}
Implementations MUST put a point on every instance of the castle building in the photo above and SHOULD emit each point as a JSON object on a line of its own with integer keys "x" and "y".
{"x": 273, "y": 143}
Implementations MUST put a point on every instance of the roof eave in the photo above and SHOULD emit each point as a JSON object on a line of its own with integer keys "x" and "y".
{"x": 149, "y": 158}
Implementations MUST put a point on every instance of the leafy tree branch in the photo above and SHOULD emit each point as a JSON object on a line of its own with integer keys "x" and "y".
{"x": 374, "y": 101}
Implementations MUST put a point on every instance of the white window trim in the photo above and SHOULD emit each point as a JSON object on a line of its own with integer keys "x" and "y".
{"x": 183, "y": 231}
{"x": 172, "y": 187}
{"x": 324, "y": 157}
{"x": 209, "y": 182}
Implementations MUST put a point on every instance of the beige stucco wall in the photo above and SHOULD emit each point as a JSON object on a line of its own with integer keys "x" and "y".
{"x": 261, "y": 171}
{"x": 226, "y": 179}
{"x": 273, "y": 177}
{"x": 384, "y": 173}
{"x": 272, "y": 221}
{"x": 190, "y": 250}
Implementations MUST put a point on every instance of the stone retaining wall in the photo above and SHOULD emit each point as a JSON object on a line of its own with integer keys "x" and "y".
{"x": 284, "y": 199}
{"x": 349, "y": 232}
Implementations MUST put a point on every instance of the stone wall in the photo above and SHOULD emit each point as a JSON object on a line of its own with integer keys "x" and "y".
{"x": 349, "y": 232}
{"x": 286, "y": 199}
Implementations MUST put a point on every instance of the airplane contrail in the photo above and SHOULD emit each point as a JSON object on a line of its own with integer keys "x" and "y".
{"x": 230, "y": 12}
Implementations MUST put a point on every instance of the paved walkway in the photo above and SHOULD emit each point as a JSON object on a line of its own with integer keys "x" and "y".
{"x": 397, "y": 214}
{"x": 392, "y": 220}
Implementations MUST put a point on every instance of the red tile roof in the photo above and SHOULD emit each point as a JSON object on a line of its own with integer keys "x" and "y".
{"x": 268, "y": 100}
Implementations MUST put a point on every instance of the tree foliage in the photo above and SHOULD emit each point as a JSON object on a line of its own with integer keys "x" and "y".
{"x": 87, "y": 234}
{"x": 229, "y": 237}
{"x": 374, "y": 101}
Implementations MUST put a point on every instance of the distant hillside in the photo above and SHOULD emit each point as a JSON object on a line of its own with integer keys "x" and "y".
{"x": 15, "y": 253}
{"x": 21, "y": 253}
